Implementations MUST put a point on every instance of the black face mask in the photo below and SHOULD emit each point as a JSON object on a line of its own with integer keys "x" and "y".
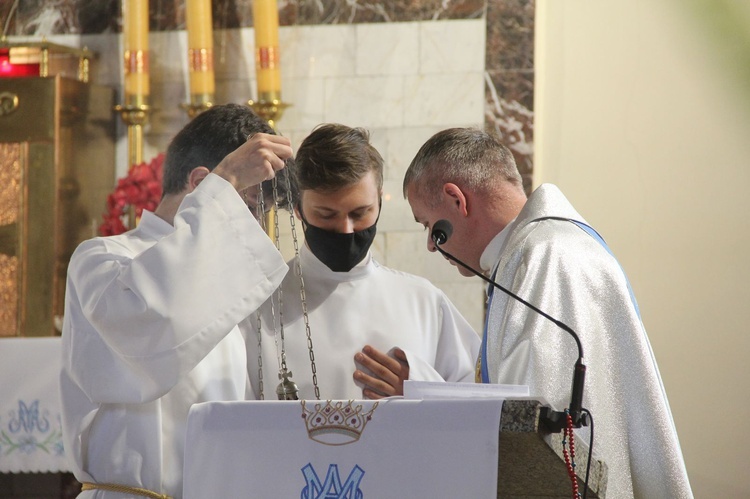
{"x": 339, "y": 252}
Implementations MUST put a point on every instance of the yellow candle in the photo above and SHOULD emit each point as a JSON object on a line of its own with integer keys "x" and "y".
{"x": 135, "y": 29}
{"x": 200, "y": 47}
{"x": 266, "y": 23}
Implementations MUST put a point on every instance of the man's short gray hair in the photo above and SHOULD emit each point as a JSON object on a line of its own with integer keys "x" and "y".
{"x": 467, "y": 157}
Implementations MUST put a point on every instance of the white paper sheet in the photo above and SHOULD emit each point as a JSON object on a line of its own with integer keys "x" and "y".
{"x": 441, "y": 390}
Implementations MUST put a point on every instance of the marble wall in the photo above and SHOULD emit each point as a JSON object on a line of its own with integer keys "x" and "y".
{"x": 404, "y": 70}
{"x": 45, "y": 17}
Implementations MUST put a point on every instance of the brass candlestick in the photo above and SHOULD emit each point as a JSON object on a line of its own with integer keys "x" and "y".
{"x": 270, "y": 108}
{"x": 198, "y": 104}
{"x": 135, "y": 116}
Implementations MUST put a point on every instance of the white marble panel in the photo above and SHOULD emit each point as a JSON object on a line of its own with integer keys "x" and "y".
{"x": 169, "y": 54}
{"x": 452, "y": 46}
{"x": 236, "y": 90}
{"x": 444, "y": 99}
{"x": 365, "y": 101}
{"x": 400, "y": 147}
{"x": 121, "y": 154}
{"x": 306, "y": 96}
{"x": 387, "y": 48}
{"x": 318, "y": 51}
{"x": 234, "y": 57}
{"x": 396, "y": 213}
{"x": 167, "y": 115}
{"x": 106, "y": 69}
{"x": 377, "y": 138}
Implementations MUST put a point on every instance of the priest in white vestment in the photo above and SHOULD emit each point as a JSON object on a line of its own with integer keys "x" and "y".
{"x": 355, "y": 309}
{"x": 543, "y": 251}
{"x": 151, "y": 315}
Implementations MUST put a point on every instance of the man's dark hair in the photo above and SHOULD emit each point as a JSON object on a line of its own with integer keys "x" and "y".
{"x": 207, "y": 139}
{"x": 334, "y": 156}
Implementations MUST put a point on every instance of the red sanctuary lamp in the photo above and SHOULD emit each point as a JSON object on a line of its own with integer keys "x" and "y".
{"x": 42, "y": 59}
{"x": 14, "y": 65}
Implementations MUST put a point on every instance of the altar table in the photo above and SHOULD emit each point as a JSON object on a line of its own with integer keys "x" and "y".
{"x": 30, "y": 425}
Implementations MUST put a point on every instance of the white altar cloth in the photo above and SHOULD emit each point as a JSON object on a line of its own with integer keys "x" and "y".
{"x": 30, "y": 427}
{"x": 408, "y": 448}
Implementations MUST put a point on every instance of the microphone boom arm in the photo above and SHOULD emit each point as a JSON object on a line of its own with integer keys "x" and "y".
{"x": 554, "y": 421}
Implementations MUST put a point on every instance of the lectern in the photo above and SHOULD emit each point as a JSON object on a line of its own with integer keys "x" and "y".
{"x": 531, "y": 462}
{"x": 478, "y": 448}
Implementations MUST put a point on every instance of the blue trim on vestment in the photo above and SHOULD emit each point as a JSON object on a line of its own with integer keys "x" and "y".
{"x": 593, "y": 233}
{"x": 590, "y": 230}
{"x": 483, "y": 351}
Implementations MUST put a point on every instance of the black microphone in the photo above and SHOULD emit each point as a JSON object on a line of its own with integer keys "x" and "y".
{"x": 555, "y": 421}
{"x": 441, "y": 231}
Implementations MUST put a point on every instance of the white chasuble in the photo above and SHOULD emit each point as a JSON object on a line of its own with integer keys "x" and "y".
{"x": 567, "y": 273}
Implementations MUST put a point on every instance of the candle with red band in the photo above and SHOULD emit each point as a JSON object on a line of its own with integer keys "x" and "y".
{"x": 266, "y": 23}
{"x": 135, "y": 31}
{"x": 200, "y": 48}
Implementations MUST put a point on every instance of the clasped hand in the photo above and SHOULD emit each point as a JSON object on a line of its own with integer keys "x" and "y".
{"x": 386, "y": 374}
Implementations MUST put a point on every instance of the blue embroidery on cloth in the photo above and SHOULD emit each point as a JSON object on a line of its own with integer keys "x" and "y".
{"x": 332, "y": 488}
{"x": 29, "y": 430}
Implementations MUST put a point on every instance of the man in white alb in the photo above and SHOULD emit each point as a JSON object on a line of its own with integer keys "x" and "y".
{"x": 151, "y": 315}
{"x": 362, "y": 316}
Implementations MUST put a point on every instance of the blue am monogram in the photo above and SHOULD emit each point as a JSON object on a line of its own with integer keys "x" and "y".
{"x": 332, "y": 488}
{"x": 29, "y": 418}
{"x": 29, "y": 430}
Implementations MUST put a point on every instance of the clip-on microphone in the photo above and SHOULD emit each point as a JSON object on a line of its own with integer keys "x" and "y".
{"x": 555, "y": 421}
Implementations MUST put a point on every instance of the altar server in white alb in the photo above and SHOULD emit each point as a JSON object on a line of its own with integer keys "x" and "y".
{"x": 151, "y": 315}
{"x": 361, "y": 314}
{"x": 542, "y": 250}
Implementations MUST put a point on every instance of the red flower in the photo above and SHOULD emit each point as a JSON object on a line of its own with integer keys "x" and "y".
{"x": 140, "y": 189}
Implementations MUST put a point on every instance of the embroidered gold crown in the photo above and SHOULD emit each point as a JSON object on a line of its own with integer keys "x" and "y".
{"x": 336, "y": 422}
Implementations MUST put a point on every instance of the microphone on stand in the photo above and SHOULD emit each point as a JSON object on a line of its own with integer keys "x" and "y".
{"x": 555, "y": 421}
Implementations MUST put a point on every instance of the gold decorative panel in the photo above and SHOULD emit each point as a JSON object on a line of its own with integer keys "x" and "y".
{"x": 10, "y": 195}
{"x": 56, "y": 168}
{"x": 10, "y": 184}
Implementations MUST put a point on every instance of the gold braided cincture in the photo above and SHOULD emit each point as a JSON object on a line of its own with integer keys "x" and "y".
{"x": 113, "y": 487}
